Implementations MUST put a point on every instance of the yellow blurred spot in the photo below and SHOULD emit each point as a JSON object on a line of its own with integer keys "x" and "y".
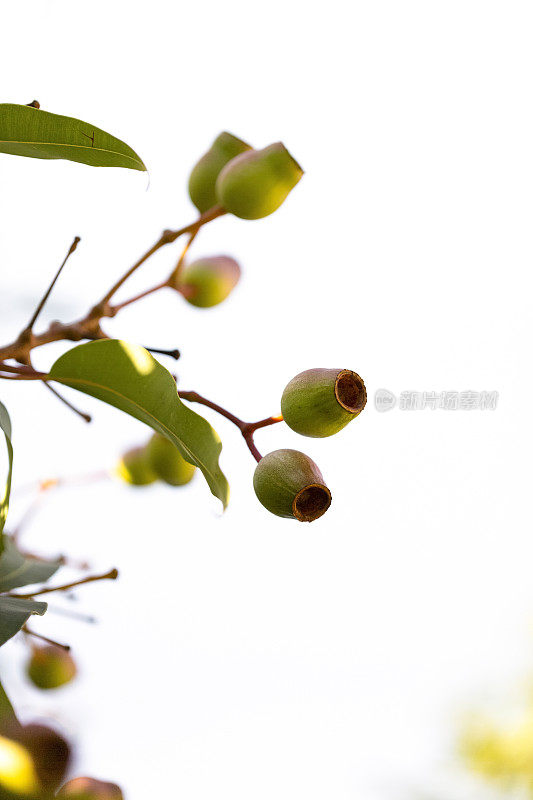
{"x": 17, "y": 773}
{"x": 502, "y": 754}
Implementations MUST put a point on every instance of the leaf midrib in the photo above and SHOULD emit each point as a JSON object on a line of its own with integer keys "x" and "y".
{"x": 79, "y": 146}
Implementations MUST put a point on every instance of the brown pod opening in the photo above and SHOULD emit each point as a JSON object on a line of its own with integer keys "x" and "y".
{"x": 350, "y": 391}
{"x": 311, "y": 502}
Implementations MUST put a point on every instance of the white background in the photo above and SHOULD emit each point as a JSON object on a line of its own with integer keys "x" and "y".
{"x": 244, "y": 656}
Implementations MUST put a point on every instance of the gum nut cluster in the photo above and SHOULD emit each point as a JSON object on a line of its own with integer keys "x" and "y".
{"x": 33, "y": 761}
{"x": 247, "y": 183}
{"x": 90, "y": 789}
{"x": 208, "y": 281}
{"x": 316, "y": 403}
{"x": 159, "y": 459}
{"x": 50, "y": 667}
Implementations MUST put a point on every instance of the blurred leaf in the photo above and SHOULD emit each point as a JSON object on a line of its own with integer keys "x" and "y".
{"x": 128, "y": 377}
{"x": 17, "y": 570}
{"x": 27, "y": 131}
{"x": 14, "y": 613}
{"x": 7, "y": 714}
{"x": 5, "y": 424}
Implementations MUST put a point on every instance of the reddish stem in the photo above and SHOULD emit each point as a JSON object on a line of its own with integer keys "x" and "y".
{"x": 246, "y": 428}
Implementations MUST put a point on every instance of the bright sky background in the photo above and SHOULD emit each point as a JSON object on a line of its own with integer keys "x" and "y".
{"x": 248, "y": 656}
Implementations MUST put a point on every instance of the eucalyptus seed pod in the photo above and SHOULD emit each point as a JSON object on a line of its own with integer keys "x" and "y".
{"x": 134, "y": 468}
{"x": 255, "y": 184}
{"x": 205, "y": 173}
{"x": 167, "y": 462}
{"x": 50, "y": 667}
{"x": 208, "y": 281}
{"x": 90, "y": 789}
{"x": 49, "y": 752}
{"x": 289, "y": 484}
{"x": 320, "y": 402}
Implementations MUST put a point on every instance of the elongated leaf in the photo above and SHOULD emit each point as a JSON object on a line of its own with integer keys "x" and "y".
{"x": 128, "y": 377}
{"x": 5, "y": 424}
{"x": 17, "y": 570}
{"x": 14, "y": 613}
{"x": 27, "y": 131}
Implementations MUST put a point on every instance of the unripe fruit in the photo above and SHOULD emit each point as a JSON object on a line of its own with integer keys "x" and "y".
{"x": 208, "y": 281}
{"x": 320, "y": 402}
{"x": 90, "y": 789}
{"x": 134, "y": 467}
{"x": 167, "y": 462}
{"x": 49, "y": 752}
{"x": 205, "y": 173}
{"x": 17, "y": 771}
{"x": 50, "y": 667}
{"x": 256, "y": 183}
{"x": 289, "y": 484}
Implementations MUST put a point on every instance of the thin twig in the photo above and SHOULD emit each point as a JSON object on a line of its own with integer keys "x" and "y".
{"x": 175, "y": 354}
{"x": 46, "y": 295}
{"x": 67, "y": 612}
{"x": 181, "y": 261}
{"x": 167, "y": 237}
{"x": 82, "y": 414}
{"x": 88, "y": 327}
{"x": 194, "y": 397}
{"x": 246, "y": 428}
{"x": 29, "y": 632}
{"x": 54, "y": 483}
{"x": 119, "y": 306}
{"x": 112, "y": 575}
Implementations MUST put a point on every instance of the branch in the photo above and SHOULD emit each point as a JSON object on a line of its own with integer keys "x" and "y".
{"x": 88, "y": 327}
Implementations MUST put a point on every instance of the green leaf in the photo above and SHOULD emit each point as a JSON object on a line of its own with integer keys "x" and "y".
{"x": 128, "y": 377}
{"x": 5, "y": 424}
{"x": 14, "y": 613}
{"x": 27, "y": 131}
{"x": 17, "y": 570}
{"x": 7, "y": 714}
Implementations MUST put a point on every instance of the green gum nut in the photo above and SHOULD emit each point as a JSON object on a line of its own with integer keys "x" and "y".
{"x": 205, "y": 173}
{"x": 134, "y": 468}
{"x": 90, "y": 789}
{"x": 320, "y": 402}
{"x": 167, "y": 462}
{"x": 289, "y": 484}
{"x": 256, "y": 183}
{"x": 50, "y": 667}
{"x": 208, "y": 281}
